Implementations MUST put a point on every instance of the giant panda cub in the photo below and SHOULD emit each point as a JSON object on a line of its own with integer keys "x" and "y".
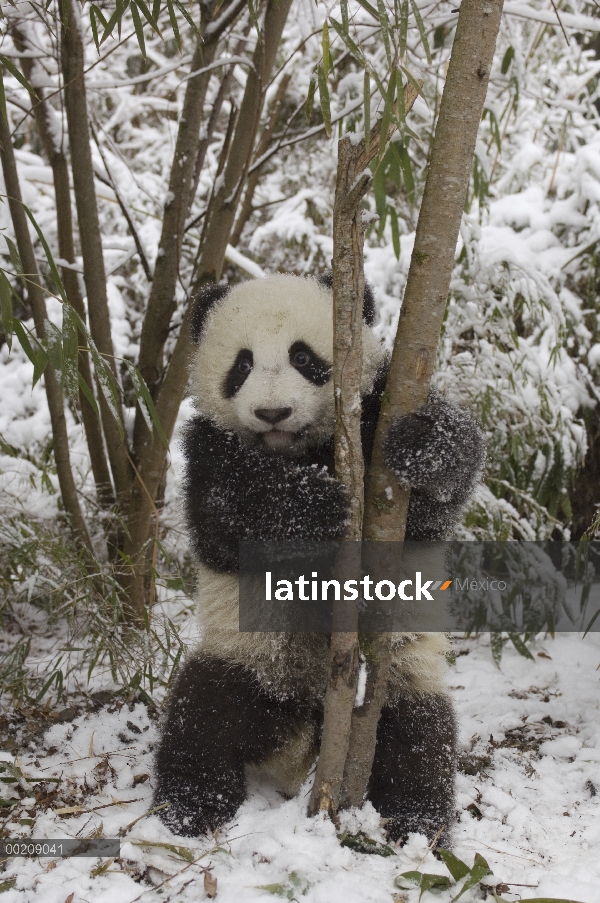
{"x": 260, "y": 466}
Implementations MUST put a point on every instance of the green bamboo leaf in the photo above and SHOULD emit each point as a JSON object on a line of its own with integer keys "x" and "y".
{"x": 253, "y": 16}
{"x": 591, "y": 624}
{"x": 385, "y": 30}
{"x": 70, "y": 351}
{"x": 408, "y": 880}
{"x": 173, "y": 21}
{"x": 327, "y": 64}
{"x": 141, "y": 6}
{"x": 14, "y": 256}
{"x": 350, "y": 44}
{"x": 83, "y": 386}
{"x": 418, "y": 88}
{"x": 3, "y": 111}
{"x": 392, "y": 163}
{"x": 403, "y": 28}
{"x": 369, "y": 8}
{"x": 395, "y": 231}
{"x": 106, "y": 382}
{"x": 181, "y": 851}
{"x": 139, "y": 29}
{"x": 145, "y": 403}
{"x": 520, "y": 646}
{"x": 325, "y": 100}
{"x": 507, "y": 60}
{"x": 184, "y": 12}
{"x": 18, "y": 75}
{"x": 406, "y": 167}
{"x": 38, "y": 358}
{"x": 434, "y": 882}
{"x": 115, "y": 19}
{"x": 53, "y": 269}
{"x": 380, "y": 195}
{"x": 345, "y": 18}
{"x": 497, "y": 646}
{"x": 480, "y": 870}
{"x": 401, "y": 117}
{"x": 310, "y": 100}
{"x": 96, "y": 15}
{"x": 6, "y": 309}
{"x": 421, "y": 28}
{"x": 457, "y": 868}
{"x": 367, "y": 109}
{"x": 387, "y": 115}
{"x": 54, "y": 350}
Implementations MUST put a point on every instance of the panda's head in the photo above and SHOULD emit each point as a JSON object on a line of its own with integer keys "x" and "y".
{"x": 263, "y": 361}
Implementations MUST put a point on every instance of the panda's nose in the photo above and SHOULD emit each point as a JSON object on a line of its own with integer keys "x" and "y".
{"x": 273, "y": 415}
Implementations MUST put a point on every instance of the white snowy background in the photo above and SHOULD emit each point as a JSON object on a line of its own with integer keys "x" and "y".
{"x": 521, "y": 348}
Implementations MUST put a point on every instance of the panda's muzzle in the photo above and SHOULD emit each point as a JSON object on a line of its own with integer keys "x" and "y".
{"x": 272, "y": 416}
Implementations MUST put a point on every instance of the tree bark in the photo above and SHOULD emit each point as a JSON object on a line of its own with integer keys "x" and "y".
{"x": 35, "y": 294}
{"x": 161, "y": 303}
{"x": 94, "y": 273}
{"x": 352, "y": 183}
{"x": 66, "y": 248}
{"x": 252, "y": 180}
{"x": 222, "y": 208}
{"x": 150, "y": 454}
{"x": 420, "y": 324}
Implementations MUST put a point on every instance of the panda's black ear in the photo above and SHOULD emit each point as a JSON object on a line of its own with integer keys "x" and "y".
{"x": 203, "y": 304}
{"x": 326, "y": 279}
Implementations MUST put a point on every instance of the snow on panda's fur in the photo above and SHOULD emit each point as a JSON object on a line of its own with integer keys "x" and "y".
{"x": 260, "y": 466}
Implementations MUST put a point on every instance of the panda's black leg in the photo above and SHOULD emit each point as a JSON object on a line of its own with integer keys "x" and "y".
{"x": 218, "y": 719}
{"x": 412, "y": 781}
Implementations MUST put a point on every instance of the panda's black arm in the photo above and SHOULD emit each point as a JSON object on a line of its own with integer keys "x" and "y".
{"x": 236, "y": 493}
{"x": 437, "y": 452}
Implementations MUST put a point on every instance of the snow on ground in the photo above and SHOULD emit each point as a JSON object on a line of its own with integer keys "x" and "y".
{"x": 528, "y": 801}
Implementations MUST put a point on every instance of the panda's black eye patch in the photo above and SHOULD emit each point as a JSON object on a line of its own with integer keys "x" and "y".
{"x": 238, "y": 373}
{"x": 309, "y": 364}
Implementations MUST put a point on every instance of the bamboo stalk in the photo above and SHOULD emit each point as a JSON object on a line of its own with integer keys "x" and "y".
{"x": 352, "y": 183}
{"x": 35, "y": 294}
{"x": 420, "y": 324}
{"x": 57, "y": 158}
{"x": 94, "y": 273}
{"x": 150, "y": 454}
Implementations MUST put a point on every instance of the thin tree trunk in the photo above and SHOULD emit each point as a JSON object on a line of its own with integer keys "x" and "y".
{"x": 252, "y": 181}
{"x": 149, "y": 451}
{"x": 35, "y": 294}
{"x": 352, "y": 183}
{"x": 66, "y": 249}
{"x": 161, "y": 303}
{"x": 420, "y": 324}
{"x": 222, "y": 208}
{"x": 94, "y": 273}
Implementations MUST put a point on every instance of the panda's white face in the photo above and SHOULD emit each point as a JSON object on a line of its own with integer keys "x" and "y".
{"x": 263, "y": 367}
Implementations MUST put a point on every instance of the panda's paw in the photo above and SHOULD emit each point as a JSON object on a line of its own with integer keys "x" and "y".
{"x": 438, "y": 448}
{"x": 189, "y": 812}
{"x": 328, "y": 509}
